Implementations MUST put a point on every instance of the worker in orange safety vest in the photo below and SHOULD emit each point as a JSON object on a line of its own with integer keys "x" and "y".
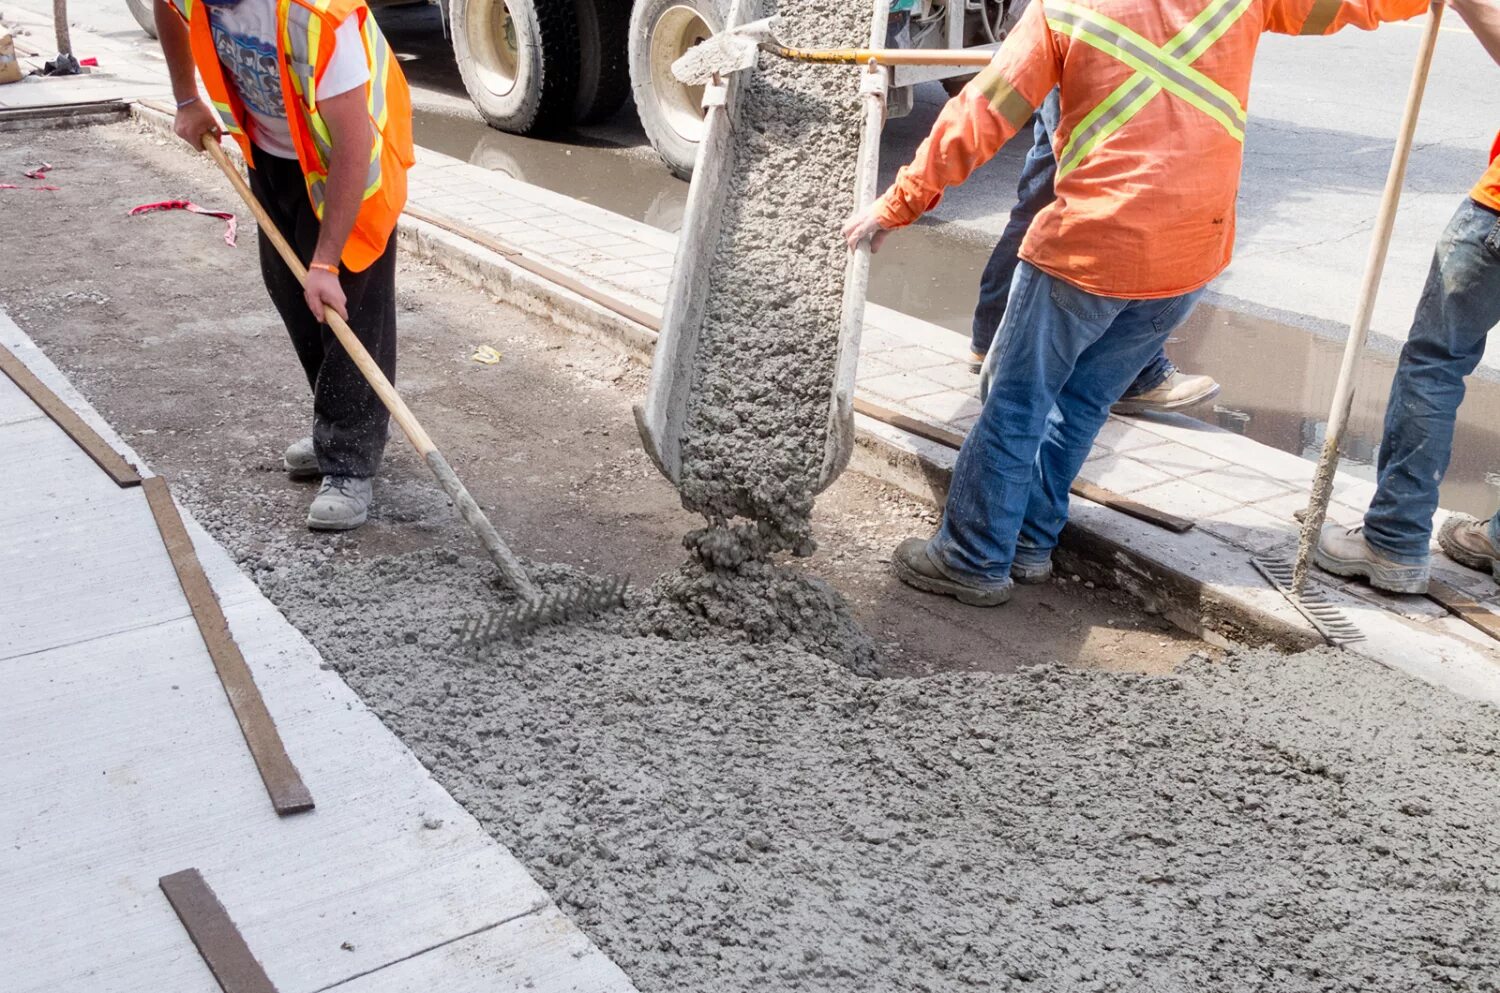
{"x": 313, "y": 94}
{"x": 1149, "y": 146}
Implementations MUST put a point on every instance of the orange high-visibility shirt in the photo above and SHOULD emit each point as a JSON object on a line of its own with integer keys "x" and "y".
{"x": 1487, "y": 190}
{"x": 1151, "y": 135}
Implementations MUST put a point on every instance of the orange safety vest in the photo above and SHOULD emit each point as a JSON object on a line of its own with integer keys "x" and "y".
{"x": 304, "y": 47}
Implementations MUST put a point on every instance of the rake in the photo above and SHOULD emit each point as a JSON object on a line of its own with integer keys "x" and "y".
{"x": 583, "y": 599}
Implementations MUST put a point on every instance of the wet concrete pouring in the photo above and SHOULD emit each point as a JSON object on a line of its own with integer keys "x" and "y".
{"x": 1001, "y": 811}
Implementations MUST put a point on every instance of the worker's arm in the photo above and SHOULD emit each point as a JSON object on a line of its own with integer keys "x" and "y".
{"x": 194, "y": 119}
{"x": 1483, "y": 18}
{"x": 353, "y": 137}
{"x": 1322, "y": 17}
{"x": 970, "y": 130}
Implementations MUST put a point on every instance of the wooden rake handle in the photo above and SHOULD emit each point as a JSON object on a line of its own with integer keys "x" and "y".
{"x": 1359, "y": 328}
{"x": 498, "y": 552}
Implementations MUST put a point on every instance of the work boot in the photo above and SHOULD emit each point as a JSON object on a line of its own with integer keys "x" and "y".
{"x": 1467, "y": 542}
{"x": 915, "y": 568}
{"x": 1175, "y": 392}
{"x": 976, "y": 362}
{"x": 300, "y": 460}
{"x": 1345, "y": 552}
{"x": 1031, "y": 573}
{"x": 342, "y": 504}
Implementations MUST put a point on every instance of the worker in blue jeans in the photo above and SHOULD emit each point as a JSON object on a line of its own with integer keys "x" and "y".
{"x": 1459, "y": 306}
{"x": 1159, "y": 386}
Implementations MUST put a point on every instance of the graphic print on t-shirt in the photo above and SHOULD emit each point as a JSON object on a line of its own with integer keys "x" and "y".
{"x": 257, "y": 76}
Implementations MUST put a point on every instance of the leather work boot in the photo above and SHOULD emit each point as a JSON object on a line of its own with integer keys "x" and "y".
{"x": 914, "y": 567}
{"x": 300, "y": 460}
{"x": 1031, "y": 573}
{"x": 342, "y": 504}
{"x": 1467, "y": 542}
{"x": 976, "y": 362}
{"x": 1344, "y": 552}
{"x": 1175, "y": 392}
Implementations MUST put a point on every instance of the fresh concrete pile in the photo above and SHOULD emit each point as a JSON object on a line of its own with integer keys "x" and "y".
{"x": 728, "y": 818}
{"x": 757, "y": 419}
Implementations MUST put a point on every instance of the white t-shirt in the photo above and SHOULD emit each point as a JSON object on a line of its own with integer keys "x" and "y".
{"x": 245, "y": 35}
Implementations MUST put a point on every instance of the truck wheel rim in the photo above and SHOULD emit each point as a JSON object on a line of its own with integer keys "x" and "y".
{"x": 678, "y": 29}
{"x": 492, "y": 39}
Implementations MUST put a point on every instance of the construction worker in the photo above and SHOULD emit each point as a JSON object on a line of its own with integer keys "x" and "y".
{"x": 314, "y": 96}
{"x": 1160, "y": 386}
{"x": 1459, "y": 306}
{"x": 1150, "y": 140}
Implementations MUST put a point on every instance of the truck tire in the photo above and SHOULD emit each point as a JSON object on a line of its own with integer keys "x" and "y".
{"x": 144, "y": 12}
{"x": 671, "y": 112}
{"x": 603, "y": 73}
{"x": 518, "y": 60}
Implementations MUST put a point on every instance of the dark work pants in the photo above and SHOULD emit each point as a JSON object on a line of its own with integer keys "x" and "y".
{"x": 349, "y": 421}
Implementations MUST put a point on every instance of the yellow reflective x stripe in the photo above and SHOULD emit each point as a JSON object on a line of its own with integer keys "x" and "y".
{"x": 1157, "y": 68}
{"x": 1177, "y": 77}
{"x": 1189, "y": 43}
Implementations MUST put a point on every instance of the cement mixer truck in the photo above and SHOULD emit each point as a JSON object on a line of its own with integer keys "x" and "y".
{"x": 536, "y": 65}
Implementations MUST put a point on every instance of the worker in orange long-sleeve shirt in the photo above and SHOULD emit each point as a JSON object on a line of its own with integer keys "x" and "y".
{"x": 1149, "y": 146}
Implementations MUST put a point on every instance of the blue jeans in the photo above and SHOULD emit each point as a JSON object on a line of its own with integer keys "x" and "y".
{"x": 1459, "y": 306}
{"x": 1033, "y": 194}
{"x": 1065, "y": 356}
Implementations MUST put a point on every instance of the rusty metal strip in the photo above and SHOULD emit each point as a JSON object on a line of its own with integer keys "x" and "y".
{"x": 289, "y": 795}
{"x": 552, "y": 274}
{"x": 1470, "y": 611}
{"x": 214, "y": 934}
{"x": 1082, "y": 488}
{"x": 65, "y": 417}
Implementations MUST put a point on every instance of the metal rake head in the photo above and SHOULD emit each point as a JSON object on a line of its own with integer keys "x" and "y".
{"x": 726, "y": 52}
{"x": 1330, "y": 620}
{"x": 577, "y": 601}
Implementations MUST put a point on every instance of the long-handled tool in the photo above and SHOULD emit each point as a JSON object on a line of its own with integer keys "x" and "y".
{"x": 732, "y": 50}
{"x": 536, "y": 608}
{"x": 1292, "y": 582}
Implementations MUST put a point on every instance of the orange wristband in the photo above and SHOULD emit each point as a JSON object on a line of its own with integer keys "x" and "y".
{"x": 325, "y": 266}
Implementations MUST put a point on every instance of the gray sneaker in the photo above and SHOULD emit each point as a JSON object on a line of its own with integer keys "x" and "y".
{"x": 915, "y": 568}
{"x": 342, "y": 504}
{"x": 300, "y": 460}
{"x": 1345, "y": 552}
{"x": 1467, "y": 542}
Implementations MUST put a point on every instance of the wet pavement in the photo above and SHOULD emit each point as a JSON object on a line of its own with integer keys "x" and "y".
{"x": 1277, "y": 376}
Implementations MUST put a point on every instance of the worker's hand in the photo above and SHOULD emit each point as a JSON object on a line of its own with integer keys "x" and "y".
{"x": 323, "y": 290}
{"x": 193, "y": 122}
{"x": 865, "y": 225}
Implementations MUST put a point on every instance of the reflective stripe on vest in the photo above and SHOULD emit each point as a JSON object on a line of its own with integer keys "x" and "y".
{"x": 302, "y": 40}
{"x": 1157, "y": 68}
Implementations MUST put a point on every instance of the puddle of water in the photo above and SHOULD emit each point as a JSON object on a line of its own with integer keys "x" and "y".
{"x": 1278, "y": 380}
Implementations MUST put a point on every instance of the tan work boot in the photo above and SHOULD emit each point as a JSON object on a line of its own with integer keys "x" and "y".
{"x": 976, "y": 362}
{"x": 1467, "y": 542}
{"x": 1175, "y": 392}
{"x": 1345, "y": 552}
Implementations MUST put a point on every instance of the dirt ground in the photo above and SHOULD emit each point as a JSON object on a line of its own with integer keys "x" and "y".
{"x": 1023, "y": 816}
{"x": 170, "y": 333}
